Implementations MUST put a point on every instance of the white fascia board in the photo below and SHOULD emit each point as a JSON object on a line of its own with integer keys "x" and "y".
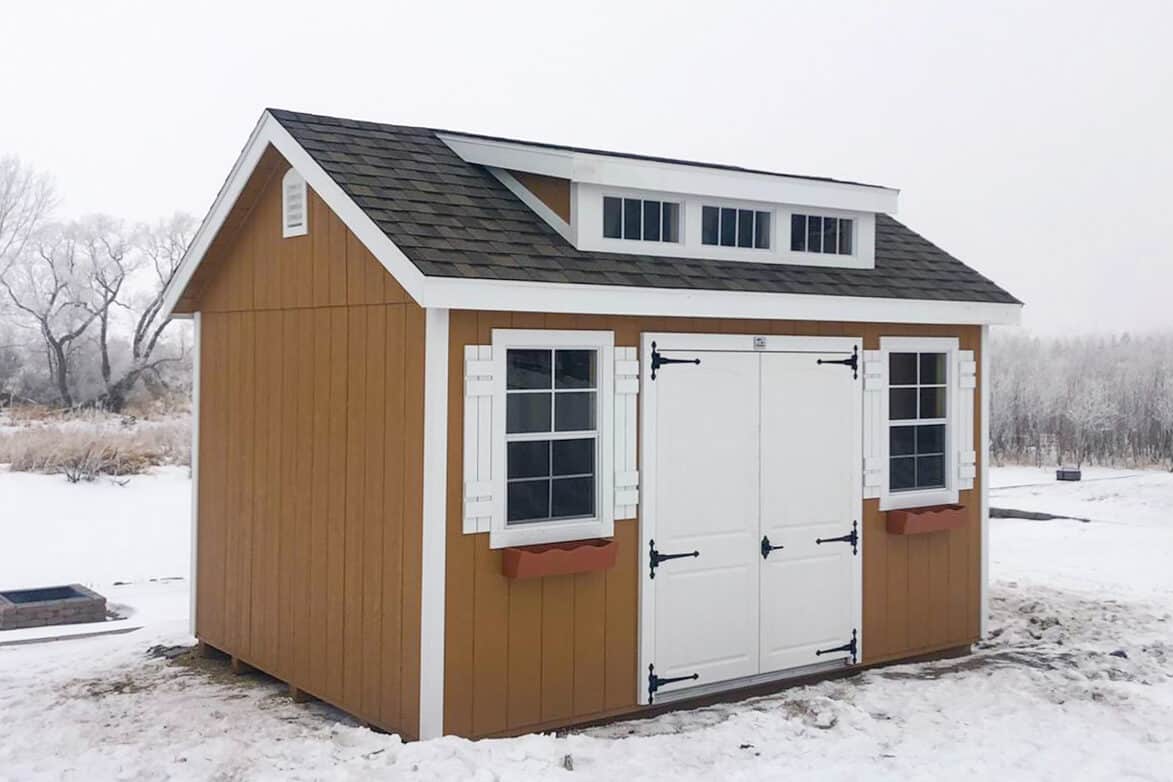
{"x": 452, "y": 293}
{"x": 617, "y": 171}
{"x": 270, "y": 131}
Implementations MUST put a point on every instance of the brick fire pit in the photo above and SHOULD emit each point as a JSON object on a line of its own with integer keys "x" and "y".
{"x": 57, "y": 605}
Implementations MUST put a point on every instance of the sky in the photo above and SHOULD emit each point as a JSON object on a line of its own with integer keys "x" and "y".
{"x": 1032, "y": 140}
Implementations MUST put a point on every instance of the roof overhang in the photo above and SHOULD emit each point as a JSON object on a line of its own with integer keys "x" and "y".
{"x": 502, "y": 295}
{"x": 626, "y": 172}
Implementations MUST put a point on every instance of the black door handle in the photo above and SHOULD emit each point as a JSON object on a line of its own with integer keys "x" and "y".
{"x": 767, "y": 548}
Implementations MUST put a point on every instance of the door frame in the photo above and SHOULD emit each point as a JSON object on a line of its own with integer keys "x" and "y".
{"x": 724, "y": 343}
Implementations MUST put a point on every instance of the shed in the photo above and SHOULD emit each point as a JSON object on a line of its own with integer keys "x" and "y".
{"x": 496, "y": 436}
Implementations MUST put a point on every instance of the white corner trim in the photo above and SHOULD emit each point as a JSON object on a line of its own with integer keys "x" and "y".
{"x": 195, "y": 466}
{"x": 500, "y": 295}
{"x": 533, "y": 202}
{"x": 435, "y": 524}
{"x": 269, "y": 131}
{"x": 984, "y": 474}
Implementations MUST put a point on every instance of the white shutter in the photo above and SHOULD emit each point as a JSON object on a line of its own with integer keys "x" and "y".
{"x": 626, "y": 395}
{"x": 875, "y": 428}
{"x": 966, "y": 384}
{"x": 478, "y": 438}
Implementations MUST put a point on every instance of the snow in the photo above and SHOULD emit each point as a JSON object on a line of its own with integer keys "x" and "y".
{"x": 1076, "y": 681}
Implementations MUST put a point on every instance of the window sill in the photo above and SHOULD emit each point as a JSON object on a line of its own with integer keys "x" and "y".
{"x": 918, "y": 499}
{"x": 558, "y": 559}
{"x": 551, "y": 532}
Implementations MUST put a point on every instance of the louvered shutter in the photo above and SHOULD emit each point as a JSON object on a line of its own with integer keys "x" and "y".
{"x": 966, "y": 385}
{"x": 626, "y": 396}
{"x": 875, "y": 428}
{"x": 478, "y": 438}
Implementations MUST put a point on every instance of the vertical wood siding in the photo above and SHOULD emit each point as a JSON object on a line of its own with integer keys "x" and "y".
{"x": 312, "y": 444}
{"x": 529, "y": 654}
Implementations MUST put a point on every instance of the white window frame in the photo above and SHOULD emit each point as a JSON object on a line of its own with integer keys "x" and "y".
{"x": 824, "y": 215}
{"x": 602, "y": 525}
{"x": 623, "y": 219}
{"x": 919, "y": 498}
{"x": 722, "y": 204}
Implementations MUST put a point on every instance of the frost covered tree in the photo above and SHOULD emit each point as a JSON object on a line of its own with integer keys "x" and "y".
{"x": 27, "y": 198}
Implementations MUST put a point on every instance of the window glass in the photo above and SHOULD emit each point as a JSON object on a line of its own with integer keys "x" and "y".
{"x": 652, "y": 221}
{"x": 745, "y": 228}
{"x": 902, "y": 474}
{"x": 846, "y": 227}
{"x": 528, "y": 501}
{"x": 527, "y": 369}
{"x": 528, "y": 459}
{"x": 573, "y": 497}
{"x": 901, "y": 369}
{"x": 814, "y": 234}
{"x": 671, "y": 227}
{"x": 917, "y": 392}
{"x": 932, "y": 368}
{"x": 574, "y": 457}
{"x": 710, "y": 223}
{"x": 527, "y": 413}
{"x": 798, "y": 233}
{"x": 574, "y": 411}
{"x": 574, "y": 368}
{"x": 932, "y": 403}
{"x": 632, "y": 218}
{"x": 901, "y": 403}
{"x": 830, "y": 235}
{"x": 728, "y": 227}
{"x": 761, "y": 230}
{"x": 902, "y": 440}
{"x": 612, "y": 218}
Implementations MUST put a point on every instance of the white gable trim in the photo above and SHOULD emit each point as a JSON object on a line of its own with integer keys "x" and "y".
{"x": 270, "y": 131}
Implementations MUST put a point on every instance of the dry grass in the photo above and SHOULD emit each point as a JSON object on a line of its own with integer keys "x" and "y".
{"x": 83, "y": 449}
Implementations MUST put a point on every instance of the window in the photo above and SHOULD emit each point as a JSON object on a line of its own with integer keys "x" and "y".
{"x": 729, "y": 227}
{"x": 556, "y": 394}
{"x": 918, "y": 403}
{"x": 642, "y": 219}
{"x": 815, "y": 234}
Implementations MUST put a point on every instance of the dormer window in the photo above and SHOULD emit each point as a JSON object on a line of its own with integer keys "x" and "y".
{"x": 728, "y": 227}
{"x": 641, "y": 219}
{"x": 294, "y": 218}
{"x": 816, "y": 234}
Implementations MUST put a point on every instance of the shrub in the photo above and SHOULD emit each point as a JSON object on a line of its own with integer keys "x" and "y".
{"x": 82, "y": 450}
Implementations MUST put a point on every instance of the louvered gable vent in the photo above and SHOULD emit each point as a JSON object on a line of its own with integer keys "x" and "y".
{"x": 294, "y": 221}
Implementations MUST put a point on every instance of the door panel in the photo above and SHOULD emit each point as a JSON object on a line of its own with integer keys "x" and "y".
{"x": 809, "y": 468}
{"x": 706, "y": 422}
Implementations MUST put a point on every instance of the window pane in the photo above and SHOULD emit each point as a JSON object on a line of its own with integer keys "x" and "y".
{"x": 710, "y": 220}
{"x": 798, "y": 233}
{"x": 761, "y": 231}
{"x": 652, "y": 221}
{"x": 612, "y": 218}
{"x": 814, "y": 234}
{"x": 745, "y": 228}
{"x": 527, "y": 501}
{"x": 573, "y": 497}
{"x": 728, "y": 227}
{"x": 901, "y": 473}
{"x": 830, "y": 234}
{"x": 932, "y": 403}
{"x": 902, "y": 441}
{"x": 932, "y": 368}
{"x": 671, "y": 231}
{"x": 527, "y": 369}
{"x": 529, "y": 459}
{"x": 574, "y": 411}
{"x": 929, "y": 439}
{"x": 632, "y": 218}
{"x": 574, "y": 457}
{"x": 901, "y": 404}
{"x": 527, "y": 413}
{"x": 930, "y": 472}
{"x": 901, "y": 369}
{"x": 846, "y": 227}
{"x": 574, "y": 369}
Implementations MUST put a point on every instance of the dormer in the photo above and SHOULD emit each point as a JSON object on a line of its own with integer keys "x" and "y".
{"x": 626, "y": 204}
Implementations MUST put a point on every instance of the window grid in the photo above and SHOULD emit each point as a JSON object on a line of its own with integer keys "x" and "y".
{"x": 730, "y": 227}
{"x": 819, "y": 234}
{"x": 917, "y": 422}
{"x": 648, "y": 220}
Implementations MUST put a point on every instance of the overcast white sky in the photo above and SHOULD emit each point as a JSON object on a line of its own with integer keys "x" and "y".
{"x": 1032, "y": 140}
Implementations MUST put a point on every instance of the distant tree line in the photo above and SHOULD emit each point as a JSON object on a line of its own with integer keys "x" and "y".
{"x": 80, "y": 300}
{"x": 1100, "y": 399}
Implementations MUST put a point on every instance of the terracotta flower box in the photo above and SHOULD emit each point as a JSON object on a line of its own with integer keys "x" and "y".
{"x": 558, "y": 559}
{"x": 918, "y": 521}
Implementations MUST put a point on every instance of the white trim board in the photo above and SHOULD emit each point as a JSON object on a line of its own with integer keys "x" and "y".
{"x": 983, "y": 390}
{"x": 432, "y": 565}
{"x": 197, "y": 324}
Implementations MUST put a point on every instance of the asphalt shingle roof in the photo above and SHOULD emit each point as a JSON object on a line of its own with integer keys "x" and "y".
{"x": 455, "y": 219}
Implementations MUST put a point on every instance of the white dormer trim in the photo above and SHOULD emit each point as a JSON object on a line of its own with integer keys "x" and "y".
{"x": 533, "y": 202}
{"x": 624, "y": 172}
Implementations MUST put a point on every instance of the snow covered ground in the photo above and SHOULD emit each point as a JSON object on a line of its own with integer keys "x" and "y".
{"x": 1076, "y": 681}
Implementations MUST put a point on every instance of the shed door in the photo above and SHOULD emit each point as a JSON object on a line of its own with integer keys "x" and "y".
{"x": 810, "y": 459}
{"x": 706, "y": 473}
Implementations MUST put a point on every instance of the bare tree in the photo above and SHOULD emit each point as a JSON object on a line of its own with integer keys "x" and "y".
{"x": 26, "y": 200}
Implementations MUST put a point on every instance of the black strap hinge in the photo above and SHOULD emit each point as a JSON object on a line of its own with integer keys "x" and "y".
{"x": 656, "y": 682}
{"x": 655, "y": 557}
{"x": 659, "y": 361}
{"x": 852, "y": 538}
{"x": 852, "y": 363}
{"x": 851, "y": 646}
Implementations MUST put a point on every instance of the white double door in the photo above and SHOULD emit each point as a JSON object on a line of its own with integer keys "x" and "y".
{"x": 752, "y": 461}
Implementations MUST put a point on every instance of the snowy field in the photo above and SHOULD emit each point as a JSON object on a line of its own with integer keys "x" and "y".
{"x": 1076, "y": 681}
